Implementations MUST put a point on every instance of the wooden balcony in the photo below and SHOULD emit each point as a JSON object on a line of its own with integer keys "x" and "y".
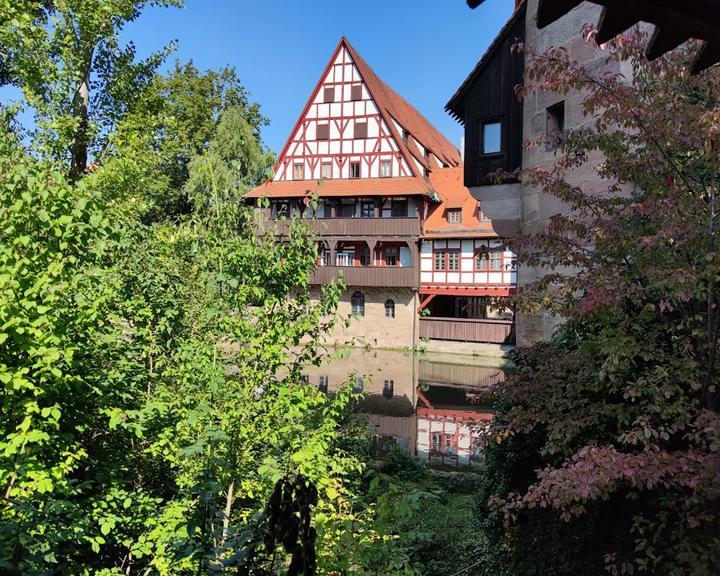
{"x": 358, "y": 227}
{"x": 382, "y": 276}
{"x": 468, "y": 330}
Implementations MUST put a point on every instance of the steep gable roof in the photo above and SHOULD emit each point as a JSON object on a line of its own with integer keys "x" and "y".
{"x": 391, "y": 107}
{"x": 394, "y": 106}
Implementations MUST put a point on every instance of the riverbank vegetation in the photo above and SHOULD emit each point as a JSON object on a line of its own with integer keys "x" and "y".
{"x": 154, "y": 415}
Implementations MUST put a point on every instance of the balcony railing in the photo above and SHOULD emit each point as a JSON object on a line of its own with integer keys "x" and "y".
{"x": 468, "y": 330}
{"x": 409, "y": 226}
{"x": 382, "y": 276}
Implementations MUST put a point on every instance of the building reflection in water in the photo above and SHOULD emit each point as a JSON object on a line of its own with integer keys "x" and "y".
{"x": 434, "y": 407}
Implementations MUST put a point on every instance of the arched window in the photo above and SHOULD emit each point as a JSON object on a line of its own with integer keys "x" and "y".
{"x": 390, "y": 308}
{"x": 358, "y": 304}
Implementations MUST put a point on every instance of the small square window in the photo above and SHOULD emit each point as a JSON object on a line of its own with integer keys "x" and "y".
{"x": 490, "y": 138}
{"x": 454, "y": 215}
{"x": 399, "y": 208}
{"x": 323, "y": 132}
{"x": 329, "y": 94}
{"x": 356, "y": 92}
{"x": 326, "y": 170}
{"x": 496, "y": 260}
{"x": 298, "y": 171}
{"x": 360, "y": 129}
{"x": 354, "y": 169}
{"x": 385, "y": 168}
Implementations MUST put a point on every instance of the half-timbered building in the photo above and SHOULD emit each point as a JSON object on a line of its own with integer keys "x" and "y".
{"x": 363, "y": 167}
{"x": 465, "y": 267}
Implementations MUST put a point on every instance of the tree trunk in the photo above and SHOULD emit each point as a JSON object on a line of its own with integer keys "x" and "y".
{"x": 81, "y": 103}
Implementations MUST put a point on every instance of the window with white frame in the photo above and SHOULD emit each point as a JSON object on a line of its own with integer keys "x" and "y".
{"x": 385, "y": 168}
{"x": 326, "y": 170}
{"x": 355, "y": 169}
{"x": 446, "y": 259}
{"x": 298, "y": 171}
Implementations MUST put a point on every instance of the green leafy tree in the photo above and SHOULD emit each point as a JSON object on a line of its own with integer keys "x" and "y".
{"x": 55, "y": 51}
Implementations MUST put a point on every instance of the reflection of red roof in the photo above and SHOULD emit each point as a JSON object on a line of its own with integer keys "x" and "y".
{"x": 448, "y": 183}
{"x": 345, "y": 187}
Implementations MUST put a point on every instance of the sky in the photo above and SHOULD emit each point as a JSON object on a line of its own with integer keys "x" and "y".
{"x": 423, "y": 49}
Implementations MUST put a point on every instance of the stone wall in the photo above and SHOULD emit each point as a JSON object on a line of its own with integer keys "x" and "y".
{"x": 375, "y": 329}
{"x": 538, "y": 208}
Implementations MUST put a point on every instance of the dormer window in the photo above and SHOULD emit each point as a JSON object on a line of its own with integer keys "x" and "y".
{"x": 454, "y": 215}
{"x": 405, "y": 136}
{"x": 490, "y": 137}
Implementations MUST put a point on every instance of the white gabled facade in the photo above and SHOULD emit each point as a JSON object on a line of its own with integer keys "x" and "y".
{"x": 467, "y": 262}
{"x": 341, "y": 125}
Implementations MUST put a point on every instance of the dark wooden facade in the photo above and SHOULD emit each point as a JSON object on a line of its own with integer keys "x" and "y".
{"x": 388, "y": 227}
{"x": 369, "y": 276}
{"x": 489, "y": 95}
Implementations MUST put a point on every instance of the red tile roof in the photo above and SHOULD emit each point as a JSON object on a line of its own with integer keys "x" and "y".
{"x": 448, "y": 183}
{"x": 392, "y": 104}
{"x": 342, "y": 187}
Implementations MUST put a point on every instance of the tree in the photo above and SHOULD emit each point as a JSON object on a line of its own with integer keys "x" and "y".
{"x": 607, "y": 453}
{"x": 188, "y": 116}
{"x": 55, "y": 51}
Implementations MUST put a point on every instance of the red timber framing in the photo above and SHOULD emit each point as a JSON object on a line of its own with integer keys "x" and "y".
{"x": 460, "y": 290}
{"x": 343, "y": 75}
{"x": 362, "y": 120}
{"x": 487, "y": 269}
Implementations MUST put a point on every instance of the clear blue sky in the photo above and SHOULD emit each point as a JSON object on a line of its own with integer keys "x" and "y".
{"x": 423, "y": 49}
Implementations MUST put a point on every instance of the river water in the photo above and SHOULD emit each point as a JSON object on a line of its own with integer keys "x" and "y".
{"x": 435, "y": 406}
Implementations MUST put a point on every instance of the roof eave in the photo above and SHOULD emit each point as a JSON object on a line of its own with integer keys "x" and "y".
{"x": 453, "y": 106}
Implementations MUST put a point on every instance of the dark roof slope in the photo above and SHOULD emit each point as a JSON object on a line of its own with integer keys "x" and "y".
{"x": 454, "y": 106}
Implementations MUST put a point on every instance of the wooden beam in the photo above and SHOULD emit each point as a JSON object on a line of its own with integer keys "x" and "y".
{"x": 550, "y": 10}
{"x": 665, "y": 39}
{"x": 614, "y": 22}
{"x": 425, "y": 302}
